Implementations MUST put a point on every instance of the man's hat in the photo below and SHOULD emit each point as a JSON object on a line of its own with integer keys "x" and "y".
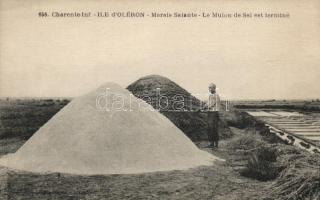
{"x": 212, "y": 85}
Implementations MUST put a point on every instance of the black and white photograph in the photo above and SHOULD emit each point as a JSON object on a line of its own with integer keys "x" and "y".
{"x": 172, "y": 99}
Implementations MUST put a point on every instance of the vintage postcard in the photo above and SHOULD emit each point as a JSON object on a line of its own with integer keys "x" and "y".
{"x": 172, "y": 99}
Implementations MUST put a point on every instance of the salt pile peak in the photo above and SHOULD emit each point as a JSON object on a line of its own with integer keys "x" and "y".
{"x": 88, "y": 136}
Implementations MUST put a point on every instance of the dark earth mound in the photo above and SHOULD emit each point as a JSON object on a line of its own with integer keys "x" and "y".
{"x": 176, "y": 104}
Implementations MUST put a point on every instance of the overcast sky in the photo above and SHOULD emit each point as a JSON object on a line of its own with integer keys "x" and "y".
{"x": 247, "y": 59}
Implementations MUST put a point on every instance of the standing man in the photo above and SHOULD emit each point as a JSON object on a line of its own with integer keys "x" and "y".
{"x": 213, "y": 116}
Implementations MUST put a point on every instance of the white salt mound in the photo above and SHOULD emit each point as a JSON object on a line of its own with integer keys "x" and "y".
{"x": 84, "y": 138}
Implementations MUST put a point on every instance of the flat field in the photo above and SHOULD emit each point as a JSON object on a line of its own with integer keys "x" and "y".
{"x": 298, "y": 105}
{"x": 236, "y": 178}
